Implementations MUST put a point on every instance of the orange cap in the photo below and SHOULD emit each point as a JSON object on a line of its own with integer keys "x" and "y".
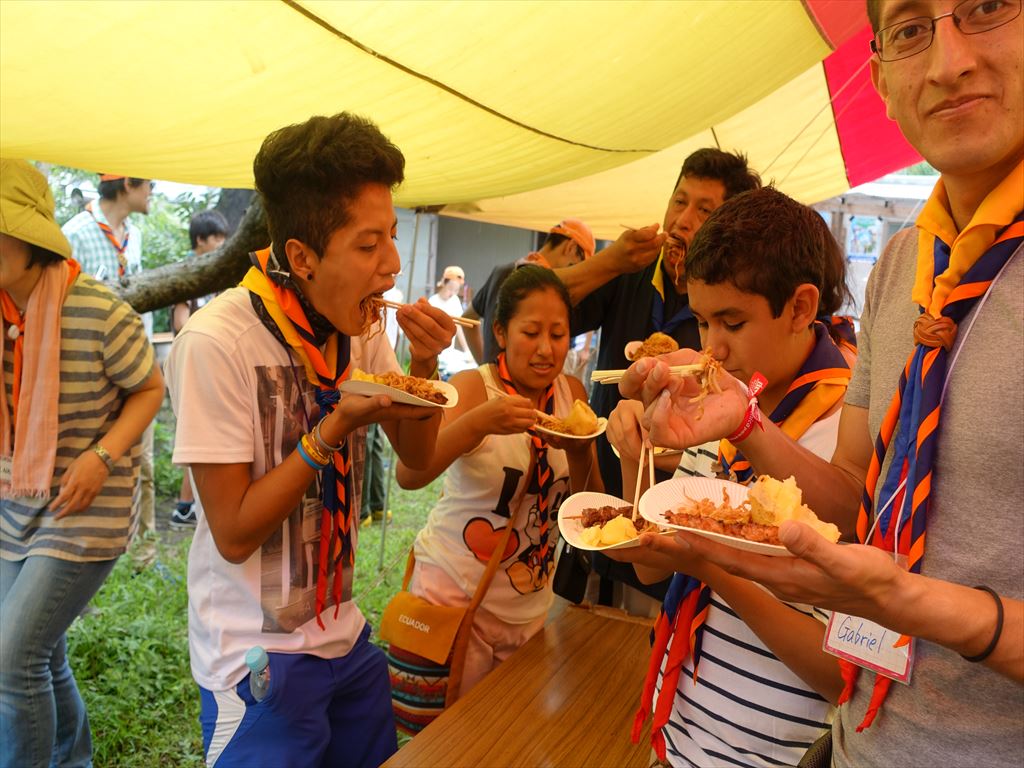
{"x": 578, "y": 232}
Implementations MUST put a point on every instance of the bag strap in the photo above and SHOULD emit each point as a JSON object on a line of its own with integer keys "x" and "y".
{"x": 466, "y": 627}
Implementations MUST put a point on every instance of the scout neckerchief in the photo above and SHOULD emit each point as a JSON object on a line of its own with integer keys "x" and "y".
{"x": 953, "y": 272}
{"x": 843, "y": 333}
{"x": 535, "y": 257}
{"x": 122, "y": 259}
{"x": 816, "y": 390}
{"x": 545, "y": 477}
{"x": 658, "y": 322}
{"x": 324, "y": 370}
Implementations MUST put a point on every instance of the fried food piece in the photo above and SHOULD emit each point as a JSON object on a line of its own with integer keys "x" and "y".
{"x": 768, "y": 504}
{"x": 656, "y": 344}
{"x": 413, "y": 385}
{"x": 580, "y": 421}
{"x": 708, "y": 378}
{"x": 604, "y": 526}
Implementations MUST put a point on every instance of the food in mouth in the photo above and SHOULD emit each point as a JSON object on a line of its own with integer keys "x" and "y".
{"x": 707, "y": 376}
{"x": 675, "y": 252}
{"x": 604, "y": 526}
{"x": 372, "y": 310}
{"x": 413, "y": 385}
{"x": 768, "y": 504}
{"x": 580, "y": 421}
{"x": 657, "y": 343}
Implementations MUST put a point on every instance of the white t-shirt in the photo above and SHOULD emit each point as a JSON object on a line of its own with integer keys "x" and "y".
{"x": 481, "y": 489}
{"x": 747, "y": 708}
{"x": 241, "y": 397}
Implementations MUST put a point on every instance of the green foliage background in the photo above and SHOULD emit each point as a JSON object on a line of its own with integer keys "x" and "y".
{"x": 164, "y": 229}
{"x": 130, "y": 655}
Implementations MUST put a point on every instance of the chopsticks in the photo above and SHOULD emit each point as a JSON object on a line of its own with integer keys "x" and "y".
{"x": 646, "y": 452}
{"x": 465, "y": 322}
{"x": 615, "y": 376}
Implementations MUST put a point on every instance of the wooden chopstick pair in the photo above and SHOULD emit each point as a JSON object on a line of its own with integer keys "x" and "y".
{"x": 465, "y": 322}
{"x": 615, "y": 376}
{"x": 646, "y": 452}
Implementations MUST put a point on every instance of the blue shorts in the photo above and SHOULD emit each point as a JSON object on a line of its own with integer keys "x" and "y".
{"x": 318, "y": 712}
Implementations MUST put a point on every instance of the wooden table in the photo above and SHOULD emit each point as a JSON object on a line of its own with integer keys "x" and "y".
{"x": 566, "y": 698}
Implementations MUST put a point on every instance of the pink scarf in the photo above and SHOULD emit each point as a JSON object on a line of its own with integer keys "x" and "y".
{"x": 36, "y": 385}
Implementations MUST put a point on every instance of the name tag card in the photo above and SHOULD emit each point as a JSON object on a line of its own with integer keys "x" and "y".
{"x": 870, "y": 645}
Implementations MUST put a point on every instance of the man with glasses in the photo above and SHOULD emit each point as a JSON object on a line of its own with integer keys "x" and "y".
{"x": 108, "y": 245}
{"x": 930, "y": 437}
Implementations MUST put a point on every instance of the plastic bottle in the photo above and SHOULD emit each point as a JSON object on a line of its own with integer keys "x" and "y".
{"x": 259, "y": 672}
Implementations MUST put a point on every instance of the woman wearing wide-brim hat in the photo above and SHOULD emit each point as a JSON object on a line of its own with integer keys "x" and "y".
{"x": 79, "y": 387}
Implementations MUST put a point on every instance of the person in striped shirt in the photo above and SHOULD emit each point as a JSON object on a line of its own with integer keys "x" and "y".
{"x": 79, "y": 387}
{"x": 758, "y": 691}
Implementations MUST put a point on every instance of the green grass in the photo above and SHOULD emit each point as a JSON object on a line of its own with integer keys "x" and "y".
{"x": 131, "y": 658}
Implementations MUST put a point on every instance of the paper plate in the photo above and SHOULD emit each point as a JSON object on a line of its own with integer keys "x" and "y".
{"x": 571, "y": 526}
{"x": 399, "y": 396}
{"x": 672, "y": 494}
{"x": 602, "y": 424}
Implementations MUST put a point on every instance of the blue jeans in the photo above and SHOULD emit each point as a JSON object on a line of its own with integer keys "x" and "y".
{"x": 42, "y": 716}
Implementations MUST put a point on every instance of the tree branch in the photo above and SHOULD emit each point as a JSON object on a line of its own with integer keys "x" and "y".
{"x": 200, "y": 275}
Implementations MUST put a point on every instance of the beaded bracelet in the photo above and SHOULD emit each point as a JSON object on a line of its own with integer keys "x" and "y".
{"x": 995, "y": 635}
{"x": 304, "y": 454}
{"x": 324, "y": 446}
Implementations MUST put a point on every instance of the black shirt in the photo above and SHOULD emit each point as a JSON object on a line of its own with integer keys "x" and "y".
{"x": 622, "y": 309}
{"x": 485, "y": 303}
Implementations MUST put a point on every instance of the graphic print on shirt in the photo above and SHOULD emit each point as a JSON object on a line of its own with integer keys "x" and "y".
{"x": 528, "y": 572}
{"x": 290, "y": 557}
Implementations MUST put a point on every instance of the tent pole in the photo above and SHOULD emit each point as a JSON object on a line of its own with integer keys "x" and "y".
{"x": 402, "y": 342}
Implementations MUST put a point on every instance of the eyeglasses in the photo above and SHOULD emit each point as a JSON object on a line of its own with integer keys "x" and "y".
{"x": 971, "y": 17}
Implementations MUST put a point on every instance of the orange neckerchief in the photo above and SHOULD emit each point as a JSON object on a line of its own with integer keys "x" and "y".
{"x": 954, "y": 270}
{"x": 325, "y": 370}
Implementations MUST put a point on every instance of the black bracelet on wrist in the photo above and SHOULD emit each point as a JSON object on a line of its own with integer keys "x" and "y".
{"x": 995, "y": 635}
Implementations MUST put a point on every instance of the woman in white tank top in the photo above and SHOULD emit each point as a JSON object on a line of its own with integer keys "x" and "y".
{"x": 495, "y": 469}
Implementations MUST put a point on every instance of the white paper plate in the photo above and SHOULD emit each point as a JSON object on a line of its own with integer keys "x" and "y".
{"x": 602, "y": 424}
{"x": 672, "y": 494}
{"x": 572, "y": 507}
{"x": 399, "y": 396}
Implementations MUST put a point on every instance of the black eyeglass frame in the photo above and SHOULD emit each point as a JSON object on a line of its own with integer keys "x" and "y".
{"x": 877, "y": 48}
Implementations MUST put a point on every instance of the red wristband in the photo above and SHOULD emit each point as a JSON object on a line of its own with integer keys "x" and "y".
{"x": 752, "y": 417}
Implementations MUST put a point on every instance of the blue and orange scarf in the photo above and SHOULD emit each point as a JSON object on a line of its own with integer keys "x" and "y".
{"x": 325, "y": 370}
{"x": 818, "y": 387}
{"x": 544, "y": 476}
{"x": 954, "y": 270}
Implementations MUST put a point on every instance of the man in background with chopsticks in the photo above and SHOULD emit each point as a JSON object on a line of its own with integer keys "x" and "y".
{"x": 633, "y": 306}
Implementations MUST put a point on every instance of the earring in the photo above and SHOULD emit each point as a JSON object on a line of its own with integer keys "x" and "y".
{"x": 309, "y": 276}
